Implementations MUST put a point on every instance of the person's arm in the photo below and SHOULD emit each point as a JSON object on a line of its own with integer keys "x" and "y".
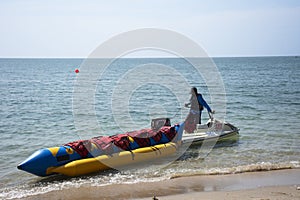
{"x": 187, "y": 104}
{"x": 203, "y": 103}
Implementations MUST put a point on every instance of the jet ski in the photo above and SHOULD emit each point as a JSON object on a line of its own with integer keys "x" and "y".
{"x": 212, "y": 130}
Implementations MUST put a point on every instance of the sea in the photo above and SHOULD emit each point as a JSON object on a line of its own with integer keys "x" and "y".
{"x": 45, "y": 103}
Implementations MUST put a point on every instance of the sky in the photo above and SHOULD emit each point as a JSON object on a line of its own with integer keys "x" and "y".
{"x": 74, "y": 28}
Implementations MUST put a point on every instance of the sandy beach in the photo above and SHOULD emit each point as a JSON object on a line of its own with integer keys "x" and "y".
{"x": 278, "y": 184}
{"x": 263, "y": 193}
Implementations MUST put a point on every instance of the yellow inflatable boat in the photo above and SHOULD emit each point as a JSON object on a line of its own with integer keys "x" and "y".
{"x": 116, "y": 160}
{"x": 105, "y": 152}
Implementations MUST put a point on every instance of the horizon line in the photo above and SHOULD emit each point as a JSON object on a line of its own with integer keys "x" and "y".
{"x": 154, "y": 57}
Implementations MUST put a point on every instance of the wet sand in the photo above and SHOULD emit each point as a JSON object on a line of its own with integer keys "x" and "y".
{"x": 278, "y": 184}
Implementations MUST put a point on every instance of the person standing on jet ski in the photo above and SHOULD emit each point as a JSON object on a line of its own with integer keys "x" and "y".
{"x": 196, "y": 105}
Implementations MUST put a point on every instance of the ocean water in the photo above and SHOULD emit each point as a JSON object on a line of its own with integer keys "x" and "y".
{"x": 37, "y": 104}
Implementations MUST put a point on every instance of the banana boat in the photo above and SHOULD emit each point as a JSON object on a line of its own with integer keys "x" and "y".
{"x": 124, "y": 158}
{"x": 104, "y": 152}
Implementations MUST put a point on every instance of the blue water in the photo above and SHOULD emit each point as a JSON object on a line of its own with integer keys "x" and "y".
{"x": 36, "y": 111}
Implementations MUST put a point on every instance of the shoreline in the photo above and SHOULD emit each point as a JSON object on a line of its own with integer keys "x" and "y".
{"x": 278, "y": 184}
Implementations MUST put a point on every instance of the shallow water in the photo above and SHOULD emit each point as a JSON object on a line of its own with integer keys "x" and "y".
{"x": 262, "y": 99}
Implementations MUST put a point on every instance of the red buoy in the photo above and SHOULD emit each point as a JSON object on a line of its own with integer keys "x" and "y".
{"x": 76, "y": 71}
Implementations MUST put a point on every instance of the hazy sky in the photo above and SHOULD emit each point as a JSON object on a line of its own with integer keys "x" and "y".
{"x": 73, "y": 28}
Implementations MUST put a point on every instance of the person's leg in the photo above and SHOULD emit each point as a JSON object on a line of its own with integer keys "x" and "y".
{"x": 191, "y": 122}
{"x": 200, "y": 117}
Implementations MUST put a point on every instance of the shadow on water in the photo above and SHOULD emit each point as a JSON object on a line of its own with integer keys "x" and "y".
{"x": 59, "y": 178}
{"x": 195, "y": 150}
